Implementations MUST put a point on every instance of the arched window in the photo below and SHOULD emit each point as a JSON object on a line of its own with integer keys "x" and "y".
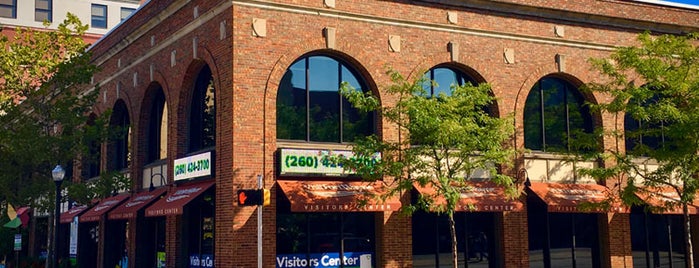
{"x": 157, "y": 127}
{"x": 120, "y": 141}
{"x": 553, "y": 112}
{"x": 202, "y": 116}
{"x": 445, "y": 78}
{"x": 310, "y": 108}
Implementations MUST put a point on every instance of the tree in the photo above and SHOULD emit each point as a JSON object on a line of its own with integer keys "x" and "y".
{"x": 442, "y": 140}
{"x": 655, "y": 85}
{"x": 45, "y": 109}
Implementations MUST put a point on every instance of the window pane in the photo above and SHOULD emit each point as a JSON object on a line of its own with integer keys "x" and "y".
{"x": 42, "y": 4}
{"x": 445, "y": 79}
{"x": 125, "y": 12}
{"x": 291, "y": 103}
{"x": 99, "y": 16}
{"x": 202, "y": 121}
{"x": 355, "y": 123}
{"x": 554, "y": 115}
{"x": 41, "y": 16}
{"x": 323, "y": 100}
{"x": 7, "y": 12}
{"x": 533, "y": 138}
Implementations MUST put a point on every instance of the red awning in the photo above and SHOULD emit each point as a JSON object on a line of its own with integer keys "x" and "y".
{"x": 336, "y": 196}
{"x": 67, "y": 217}
{"x": 665, "y": 200}
{"x": 567, "y": 197}
{"x": 102, "y": 207}
{"x": 174, "y": 202}
{"x": 478, "y": 197}
{"x": 130, "y": 208}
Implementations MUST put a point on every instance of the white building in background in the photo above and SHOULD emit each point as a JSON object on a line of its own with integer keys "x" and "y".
{"x": 101, "y": 15}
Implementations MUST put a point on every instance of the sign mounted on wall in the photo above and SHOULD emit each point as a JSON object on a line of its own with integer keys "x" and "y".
{"x": 194, "y": 166}
{"x": 317, "y": 162}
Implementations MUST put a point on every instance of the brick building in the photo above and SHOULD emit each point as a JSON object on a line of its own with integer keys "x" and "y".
{"x": 221, "y": 94}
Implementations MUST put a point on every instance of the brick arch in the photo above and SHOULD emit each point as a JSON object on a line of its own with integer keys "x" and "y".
{"x": 184, "y": 98}
{"x": 285, "y": 61}
{"x": 141, "y": 131}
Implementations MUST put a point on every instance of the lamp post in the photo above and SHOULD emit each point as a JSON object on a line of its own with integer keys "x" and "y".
{"x": 58, "y": 174}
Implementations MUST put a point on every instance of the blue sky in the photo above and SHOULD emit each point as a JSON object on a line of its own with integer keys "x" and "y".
{"x": 691, "y": 2}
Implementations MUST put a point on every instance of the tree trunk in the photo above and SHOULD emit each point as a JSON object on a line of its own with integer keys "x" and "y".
{"x": 454, "y": 251}
{"x": 688, "y": 237}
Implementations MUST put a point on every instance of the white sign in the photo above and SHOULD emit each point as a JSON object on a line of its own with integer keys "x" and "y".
{"x": 318, "y": 162}
{"x": 73, "y": 247}
{"x": 193, "y": 166}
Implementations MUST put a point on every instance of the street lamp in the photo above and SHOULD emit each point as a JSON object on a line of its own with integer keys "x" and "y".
{"x": 58, "y": 174}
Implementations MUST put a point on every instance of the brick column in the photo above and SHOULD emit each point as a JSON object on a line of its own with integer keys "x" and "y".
{"x": 615, "y": 240}
{"x": 394, "y": 246}
{"x": 514, "y": 240}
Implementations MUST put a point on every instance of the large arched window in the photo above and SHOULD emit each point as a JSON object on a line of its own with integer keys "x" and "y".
{"x": 310, "y": 108}
{"x": 445, "y": 78}
{"x": 120, "y": 141}
{"x": 554, "y": 111}
{"x": 202, "y": 116}
{"x": 157, "y": 127}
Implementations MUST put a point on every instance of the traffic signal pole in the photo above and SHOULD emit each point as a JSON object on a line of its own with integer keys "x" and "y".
{"x": 259, "y": 225}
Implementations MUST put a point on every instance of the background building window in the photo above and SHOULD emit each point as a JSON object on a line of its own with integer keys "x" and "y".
{"x": 126, "y": 12}
{"x": 43, "y": 10}
{"x": 8, "y": 9}
{"x": 553, "y": 113}
{"x": 310, "y": 108}
{"x": 202, "y": 119}
{"x": 99, "y": 16}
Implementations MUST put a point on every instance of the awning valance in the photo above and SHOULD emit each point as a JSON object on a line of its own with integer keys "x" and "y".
{"x": 337, "y": 196}
{"x": 665, "y": 200}
{"x": 567, "y": 197}
{"x": 174, "y": 202}
{"x": 67, "y": 217}
{"x": 136, "y": 202}
{"x": 102, "y": 208}
{"x": 478, "y": 197}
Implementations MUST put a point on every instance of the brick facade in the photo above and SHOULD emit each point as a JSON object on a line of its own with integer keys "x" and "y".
{"x": 157, "y": 46}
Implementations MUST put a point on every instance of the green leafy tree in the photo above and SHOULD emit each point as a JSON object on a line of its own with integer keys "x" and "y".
{"x": 44, "y": 111}
{"x": 441, "y": 141}
{"x": 656, "y": 85}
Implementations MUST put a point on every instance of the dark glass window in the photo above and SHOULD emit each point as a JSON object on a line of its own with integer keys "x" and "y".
{"x": 554, "y": 111}
{"x": 199, "y": 228}
{"x": 562, "y": 239}
{"x": 119, "y": 155}
{"x": 309, "y": 234}
{"x": 91, "y": 160}
{"x": 99, "y": 16}
{"x": 202, "y": 120}
{"x": 310, "y": 108}
{"x": 157, "y": 128}
{"x": 43, "y": 10}
{"x": 126, "y": 12}
{"x": 657, "y": 240}
{"x": 475, "y": 239}
{"x": 8, "y": 9}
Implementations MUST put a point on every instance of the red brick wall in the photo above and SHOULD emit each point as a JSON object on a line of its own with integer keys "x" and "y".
{"x": 247, "y": 71}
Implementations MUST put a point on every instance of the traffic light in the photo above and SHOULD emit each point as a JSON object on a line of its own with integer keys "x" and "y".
{"x": 253, "y": 197}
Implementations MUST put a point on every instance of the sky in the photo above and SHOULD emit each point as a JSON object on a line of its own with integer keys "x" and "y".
{"x": 691, "y": 2}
